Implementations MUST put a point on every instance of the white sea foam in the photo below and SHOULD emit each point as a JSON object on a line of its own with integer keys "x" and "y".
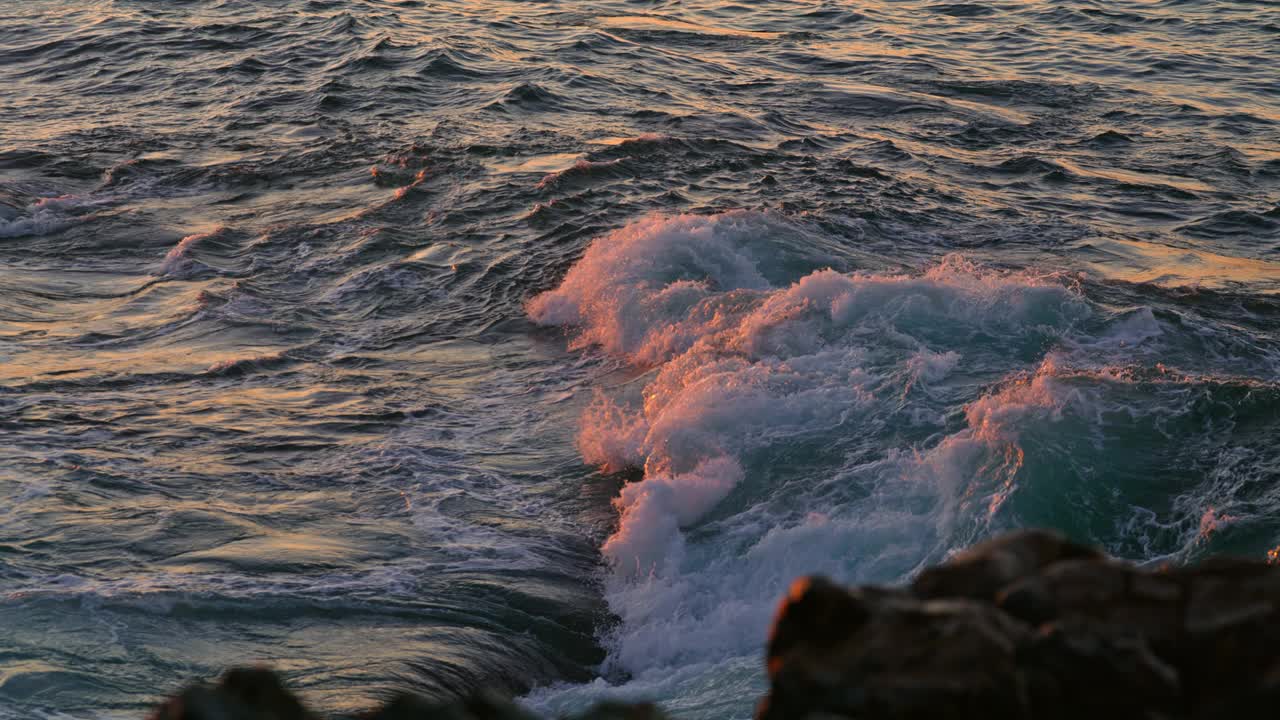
{"x": 746, "y": 365}
{"x": 50, "y": 215}
{"x": 744, "y": 368}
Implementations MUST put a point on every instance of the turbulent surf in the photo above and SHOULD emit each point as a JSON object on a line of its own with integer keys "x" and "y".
{"x": 541, "y": 345}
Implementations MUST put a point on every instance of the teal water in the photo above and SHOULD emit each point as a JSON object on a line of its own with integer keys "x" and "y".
{"x": 420, "y": 346}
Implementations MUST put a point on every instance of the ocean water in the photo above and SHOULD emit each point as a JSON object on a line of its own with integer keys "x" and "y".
{"x": 540, "y": 344}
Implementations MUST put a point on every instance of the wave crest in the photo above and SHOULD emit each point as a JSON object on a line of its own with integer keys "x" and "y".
{"x": 744, "y": 364}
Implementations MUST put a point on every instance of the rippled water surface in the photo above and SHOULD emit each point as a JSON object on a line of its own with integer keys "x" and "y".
{"x": 420, "y": 345}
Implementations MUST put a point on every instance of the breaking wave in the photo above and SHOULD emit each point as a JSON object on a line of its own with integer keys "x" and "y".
{"x": 856, "y": 423}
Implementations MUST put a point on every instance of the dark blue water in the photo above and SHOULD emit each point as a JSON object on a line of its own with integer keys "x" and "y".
{"x": 411, "y": 345}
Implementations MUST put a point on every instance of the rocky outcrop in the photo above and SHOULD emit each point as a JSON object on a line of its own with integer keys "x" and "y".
{"x": 259, "y": 694}
{"x": 1030, "y": 625}
{"x": 1025, "y": 626}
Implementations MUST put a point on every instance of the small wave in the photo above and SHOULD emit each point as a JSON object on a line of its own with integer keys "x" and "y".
{"x": 528, "y": 96}
{"x": 37, "y": 223}
{"x": 245, "y": 366}
{"x": 657, "y": 25}
{"x": 580, "y": 169}
{"x": 962, "y": 10}
{"x": 51, "y": 215}
{"x": 1028, "y": 164}
{"x": 641, "y": 139}
{"x": 1235, "y": 223}
{"x": 135, "y": 171}
{"x": 178, "y": 262}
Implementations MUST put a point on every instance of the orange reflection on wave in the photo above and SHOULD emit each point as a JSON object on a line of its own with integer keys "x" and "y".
{"x": 648, "y": 22}
{"x": 1142, "y": 262}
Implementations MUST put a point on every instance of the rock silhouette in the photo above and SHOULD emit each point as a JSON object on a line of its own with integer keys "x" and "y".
{"x": 1030, "y": 625}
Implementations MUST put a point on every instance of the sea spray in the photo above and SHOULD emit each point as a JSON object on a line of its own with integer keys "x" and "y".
{"x": 758, "y": 378}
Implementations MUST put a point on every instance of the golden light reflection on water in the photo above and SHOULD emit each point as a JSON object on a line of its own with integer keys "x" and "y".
{"x": 275, "y": 548}
{"x": 1143, "y": 262}
{"x": 541, "y": 163}
{"x": 650, "y": 22}
{"x": 1134, "y": 177}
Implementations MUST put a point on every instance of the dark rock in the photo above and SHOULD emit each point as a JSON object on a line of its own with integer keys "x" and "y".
{"x": 243, "y": 694}
{"x": 817, "y": 615}
{"x": 1226, "y": 592}
{"x": 1068, "y": 665}
{"x": 880, "y": 653}
{"x": 1030, "y": 625}
{"x": 1102, "y": 591}
{"x": 483, "y": 705}
{"x": 259, "y": 694}
{"x": 984, "y": 569}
